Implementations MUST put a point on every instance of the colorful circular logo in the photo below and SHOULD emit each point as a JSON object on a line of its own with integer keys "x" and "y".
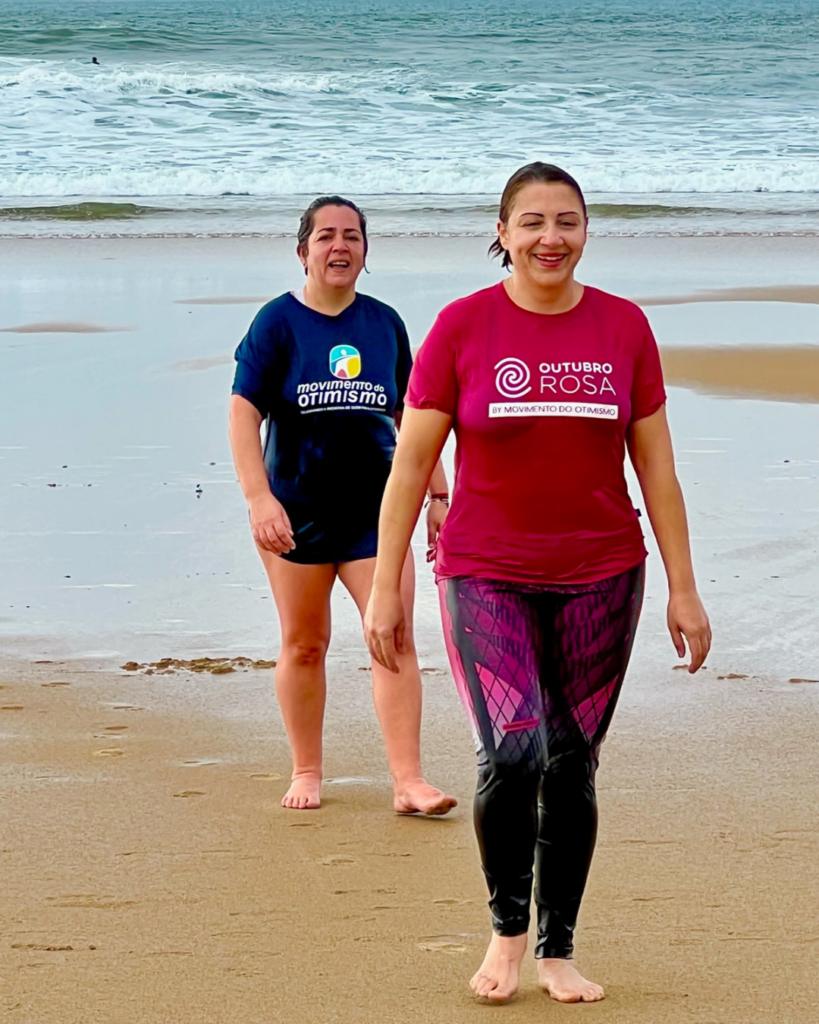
{"x": 345, "y": 362}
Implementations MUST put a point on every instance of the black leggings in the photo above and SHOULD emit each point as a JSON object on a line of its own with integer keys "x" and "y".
{"x": 539, "y": 669}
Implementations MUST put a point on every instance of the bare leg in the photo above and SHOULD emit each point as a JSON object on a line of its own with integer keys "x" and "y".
{"x": 397, "y": 699}
{"x": 302, "y": 595}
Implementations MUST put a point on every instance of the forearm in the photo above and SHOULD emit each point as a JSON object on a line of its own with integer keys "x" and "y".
{"x": 400, "y": 507}
{"x": 438, "y": 482}
{"x": 666, "y": 511}
{"x": 246, "y": 445}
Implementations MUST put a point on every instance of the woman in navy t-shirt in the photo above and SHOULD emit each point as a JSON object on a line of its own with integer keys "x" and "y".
{"x": 326, "y": 369}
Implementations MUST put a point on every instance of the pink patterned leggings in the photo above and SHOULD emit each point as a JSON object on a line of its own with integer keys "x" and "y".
{"x": 539, "y": 670}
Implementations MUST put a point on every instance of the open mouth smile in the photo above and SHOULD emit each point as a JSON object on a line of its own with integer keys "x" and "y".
{"x": 550, "y": 259}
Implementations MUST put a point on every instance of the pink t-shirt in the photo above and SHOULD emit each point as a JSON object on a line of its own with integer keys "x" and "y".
{"x": 541, "y": 406}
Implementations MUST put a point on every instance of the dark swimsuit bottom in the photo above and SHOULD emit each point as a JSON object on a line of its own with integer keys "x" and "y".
{"x": 327, "y": 535}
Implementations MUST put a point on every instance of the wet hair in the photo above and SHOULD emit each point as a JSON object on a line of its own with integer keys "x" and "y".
{"x": 308, "y": 220}
{"x": 549, "y": 174}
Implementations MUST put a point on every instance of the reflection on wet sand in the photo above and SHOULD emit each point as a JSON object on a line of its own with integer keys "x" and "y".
{"x": 225, "y": 300}
{"x": 804, "y": 293}
{"x": 786, "y": 374}
{"x": 206, "y": 363}
{"x": 62, "y": 327}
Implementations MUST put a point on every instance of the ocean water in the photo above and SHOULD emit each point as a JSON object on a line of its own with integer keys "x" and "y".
{"x": 205, "y": 117}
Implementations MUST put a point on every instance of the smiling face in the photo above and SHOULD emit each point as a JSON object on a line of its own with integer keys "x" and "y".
{"x": 544, "y": 236}
{"x": 333, "y": 256}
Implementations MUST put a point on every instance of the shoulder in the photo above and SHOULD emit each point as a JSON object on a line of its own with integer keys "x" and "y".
{"x": 376, "y": 309}
{"x": 275, "y": 312}
{"x": 462, "y": 317}
{"x": 466, "y": 309}
{"x": 615, "y": 307}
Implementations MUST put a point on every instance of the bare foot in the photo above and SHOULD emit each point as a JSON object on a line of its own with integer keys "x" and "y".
{"x": 304, "y": 793}
{"x": 420, "y": 798}
{"x": 497, "y": 977}
{"x": 562, "y": 981}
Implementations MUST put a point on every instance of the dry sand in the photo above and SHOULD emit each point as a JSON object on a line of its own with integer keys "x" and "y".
{"x": 150, "y": 875}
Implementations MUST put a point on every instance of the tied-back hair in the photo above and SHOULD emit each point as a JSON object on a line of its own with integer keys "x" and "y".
{"x": 537, "y": 171}
{"x": 308, "y": 219}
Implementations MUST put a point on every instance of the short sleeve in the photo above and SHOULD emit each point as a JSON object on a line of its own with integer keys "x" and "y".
{"x": 403, "y": 364}
{"x": 647, "y": 389}
{"x": 259, "y": 366}
{"x": 433, "y": 383}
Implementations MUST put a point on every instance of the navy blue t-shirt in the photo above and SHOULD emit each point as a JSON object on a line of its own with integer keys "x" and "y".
{"x": 328, "y": 387}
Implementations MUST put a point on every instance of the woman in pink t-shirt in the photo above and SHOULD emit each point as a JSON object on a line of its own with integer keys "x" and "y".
{"x": 547, "y": 384}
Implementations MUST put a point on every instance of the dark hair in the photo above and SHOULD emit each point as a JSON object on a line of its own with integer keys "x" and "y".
{"x": 549, "y": 174}
{"x": 308, "y": 219}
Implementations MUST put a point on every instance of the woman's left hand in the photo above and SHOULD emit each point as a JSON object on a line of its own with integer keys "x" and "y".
{"x": 687, "y": 618}
{"x": 436, "y": 517}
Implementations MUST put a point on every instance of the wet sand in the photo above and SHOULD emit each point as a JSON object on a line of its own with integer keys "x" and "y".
{"x": 785, "y": 374}
{"x": 771, "y": 293}
{"x": 143, "y": 826}
{"x": 150, "y": 875}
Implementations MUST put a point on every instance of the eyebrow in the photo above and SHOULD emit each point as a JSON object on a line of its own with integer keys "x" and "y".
{"x": 566, "y": 213}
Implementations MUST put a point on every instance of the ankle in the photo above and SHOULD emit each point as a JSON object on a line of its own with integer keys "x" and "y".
{"x": 402, "y": 781}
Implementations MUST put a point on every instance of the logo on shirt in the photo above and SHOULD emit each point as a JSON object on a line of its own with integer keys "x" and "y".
{"x": 345, "y": 362}
{"x": 512, "y": 379}
{"x": 565, "y": 389}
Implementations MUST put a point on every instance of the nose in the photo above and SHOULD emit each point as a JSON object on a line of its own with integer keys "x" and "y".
{"x": 551, "y": 236}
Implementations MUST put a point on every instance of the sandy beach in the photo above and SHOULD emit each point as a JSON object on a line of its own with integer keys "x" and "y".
{"x": 150, "y": 874}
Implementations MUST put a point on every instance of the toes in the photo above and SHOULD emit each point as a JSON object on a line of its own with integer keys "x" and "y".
{"x": 592, "y": 994}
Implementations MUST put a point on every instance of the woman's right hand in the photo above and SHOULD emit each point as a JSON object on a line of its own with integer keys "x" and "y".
{"x": 384, "y": 626}
{"x": 270, "y": 524}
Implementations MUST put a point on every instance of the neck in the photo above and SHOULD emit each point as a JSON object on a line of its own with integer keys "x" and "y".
{"x": 331, "y": 301}
{"x": 559, "y": 299}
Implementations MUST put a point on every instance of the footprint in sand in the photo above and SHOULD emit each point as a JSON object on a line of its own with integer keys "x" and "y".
{"x": 12, "y": 707}
{"x": 125, "y": 707}
{"x": 41, "y": 947}
{"x": 265, "y": 776}
{"x": 733, "y": 675}
{"x": 56, "y": 683}
{"x": 116, "y": 728}
{"x": 109, "y": 752}
{"x": 798, "y": 680}
{"x": 89, "y": 901}
{"x": 189, "y": 792}
{"x": 444, "y": 944}
{"x": 334, "y": 859}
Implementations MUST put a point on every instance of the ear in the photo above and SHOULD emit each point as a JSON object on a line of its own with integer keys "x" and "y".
{"x": 503, "y": 234}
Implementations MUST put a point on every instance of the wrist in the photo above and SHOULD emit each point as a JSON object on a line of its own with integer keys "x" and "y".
{"x": 687, "y": 589}
{"x": 258, "y": 496}
{"x": 385, "y": 582}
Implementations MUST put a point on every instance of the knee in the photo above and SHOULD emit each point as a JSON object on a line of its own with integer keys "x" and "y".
{"x": 570, "y": 765}
{"x": 304, "y": 652}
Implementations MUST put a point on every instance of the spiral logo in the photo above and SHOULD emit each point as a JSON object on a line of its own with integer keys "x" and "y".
{"x": 512, "y": 379}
